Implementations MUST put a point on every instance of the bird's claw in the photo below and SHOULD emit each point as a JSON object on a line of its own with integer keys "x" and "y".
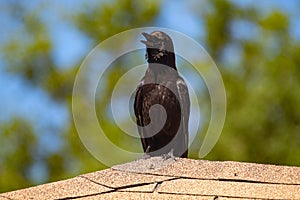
{"x": 146, "y": 156}
{"x": 169, "y": 155}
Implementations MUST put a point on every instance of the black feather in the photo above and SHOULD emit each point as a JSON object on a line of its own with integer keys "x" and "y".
{"x": 162, "y": 85}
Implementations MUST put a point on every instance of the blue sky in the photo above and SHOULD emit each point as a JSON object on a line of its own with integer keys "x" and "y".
{"x": 70, "y": 44}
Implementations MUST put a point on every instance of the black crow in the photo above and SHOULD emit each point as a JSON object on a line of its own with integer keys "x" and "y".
{"x": 162, "y": 131}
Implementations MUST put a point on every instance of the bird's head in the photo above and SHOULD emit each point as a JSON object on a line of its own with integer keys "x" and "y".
{"x": 159, "y": 46}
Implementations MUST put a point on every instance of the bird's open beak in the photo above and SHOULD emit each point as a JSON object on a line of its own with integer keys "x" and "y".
{"x": 150, "y": 40}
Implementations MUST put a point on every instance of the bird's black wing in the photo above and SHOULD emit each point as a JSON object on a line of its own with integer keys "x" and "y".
{"x": 138, "y": 105}
{"x": 184, "y": 100}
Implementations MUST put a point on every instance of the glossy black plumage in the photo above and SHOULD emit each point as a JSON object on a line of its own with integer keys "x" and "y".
{"x": 163, "y": 86}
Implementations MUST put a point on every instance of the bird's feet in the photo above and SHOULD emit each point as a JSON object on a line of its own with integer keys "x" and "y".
{"x": 169, "y": 155}
{"x": 146, "y": 156}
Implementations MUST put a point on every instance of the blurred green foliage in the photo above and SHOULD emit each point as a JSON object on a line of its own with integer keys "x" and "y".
{"x": 263, "y": 98}
{"x": 18, "y": 145}
{"x": 263, "y": 118}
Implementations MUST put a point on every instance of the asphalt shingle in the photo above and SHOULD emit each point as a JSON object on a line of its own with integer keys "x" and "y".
{"x": 162, "y": 178}
{"x": 230, "y": 189}
{"x": 74, "y": 187}
{"x": 120, "y": 179}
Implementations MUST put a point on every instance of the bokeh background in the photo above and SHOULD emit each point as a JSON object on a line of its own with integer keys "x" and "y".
{"x": 255, "y": 44}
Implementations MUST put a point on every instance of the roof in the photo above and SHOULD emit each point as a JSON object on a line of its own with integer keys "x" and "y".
{"x": 174, "y": 178}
